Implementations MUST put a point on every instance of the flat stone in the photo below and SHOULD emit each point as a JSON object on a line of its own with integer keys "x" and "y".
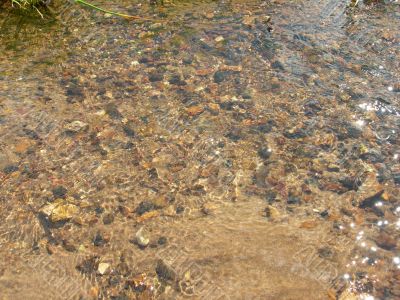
{"x": 76, "y": 126}
{"x": 59, "y": 211}
{"x": 103, "y": 268}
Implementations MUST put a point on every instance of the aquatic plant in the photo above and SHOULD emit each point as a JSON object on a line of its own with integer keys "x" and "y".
{"x": 36, "y": 4}
{"x": 82, "y": 2}
{"x": 29, "y": 4}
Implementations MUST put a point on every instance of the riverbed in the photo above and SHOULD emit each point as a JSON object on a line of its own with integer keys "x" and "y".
{"x": 206, "y": 150}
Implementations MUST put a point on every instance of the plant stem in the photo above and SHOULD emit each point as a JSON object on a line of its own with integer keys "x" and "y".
{"x": 82, "y": 2}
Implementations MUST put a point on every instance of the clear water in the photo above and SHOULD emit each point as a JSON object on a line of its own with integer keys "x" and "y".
{"x": 257, "y": 158}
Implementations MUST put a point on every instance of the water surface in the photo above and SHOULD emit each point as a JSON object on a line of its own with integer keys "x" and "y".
{"x": 215, "y": 150}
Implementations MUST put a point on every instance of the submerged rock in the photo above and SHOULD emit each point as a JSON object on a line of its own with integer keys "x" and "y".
{"x": 386, "y": 241}
{"x": 271, "y": 212}
{"x": 112, "y": 110}
{"x": 108, "y": 219}
{"x": 129, "y": 129}
{"x": 99, "y": 240}
{"x": 220, "y": 76}
{"x": 162, "y": 240}
{"x": 103, "y": 268}
{"x": 59, "y": 211}
{"x": 59, "y": 192}
{"x": 76, "y": 126}
{"x": 141, "y": 239}
{"x": 10, "y": 169}
{"x": 88, "y": 265}
{"x": 145, "y": 206}
{"x": 264, "y": 152}
{"x": 164, "y": 271}
{"x": 154, "y": 77}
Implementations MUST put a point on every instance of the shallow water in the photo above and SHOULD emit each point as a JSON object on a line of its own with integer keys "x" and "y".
{"x": 221, "y": 150}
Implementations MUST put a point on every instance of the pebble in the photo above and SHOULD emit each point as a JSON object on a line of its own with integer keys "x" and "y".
{"x": 207, "y": 209}
{"x": 154, "y": 77}
{"x": 295, "y": 133}
{"x": 76, "y": 126}
{"x": 88, "y": 265}
{"x": 324, "y": 213}
{"x": 277, "y": 65}
{"x": 162, "y": 240}
{"x": 129, "y": 129}
{"x": 180, "y": 209}
{"x": 164, "y": 271}
{"x": 112, "y": 110}
{"x": 69, "y": 246}
{"x": 59, "y": 192}
{"x": 74, "y": 94}
{"x": 349, "y": 183}
{"x": 195, "y": 110}
{"x": 141, "y": 239}
{"x": 103, "y": 268}
{"x": 235, "y": 134}
{"x": 59, "y": 211}
{"x": 293, "y": 200}
{"x": 333, "y": 168}
{"x": 348, "y": 295}
{"x": 386, "y": 241}
{"x": 248, "y": 21}
{"x": 264, "y": 152}
{"x": 396, "y": 178}
{"x": 176, "y": 80}
{"x": 371, "y": 201}
{"x": 370, "y": 192}
{"x": 125, "y": 210}
{"x": 325, "y": 252}
{"x": 10, "y": 169}
{"x": 271, "y": 212}
{"x": 220, "y": 76}
{"x": 351, "y": 131}
{"x": 108, "y": 219}
{"x": 144, "y": 206}
{"x": 22, "y": 146}
{"x": 309, "y": 224}
{"x": 148, "y": 215}
{"x": 99, "y": 240}
{"x": 209, "y": 15}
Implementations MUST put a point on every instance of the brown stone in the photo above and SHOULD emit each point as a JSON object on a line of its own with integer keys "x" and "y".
{"x": 309, "y": 224}
{"x": 204, "y": 72}
{"x": 385, "y": 241}
{"x": 125, "y": 210}
{"x": 148, "y": 215}
{"x": 195, "y": 110}
{"x": 231, "y": 68}
{"x": 22, "y": 146}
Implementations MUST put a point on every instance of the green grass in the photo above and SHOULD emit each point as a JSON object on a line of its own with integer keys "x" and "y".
{"x": 28, "y": 5}
{"x": 36, "y": 4}
{"x": 82, "y": 2}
